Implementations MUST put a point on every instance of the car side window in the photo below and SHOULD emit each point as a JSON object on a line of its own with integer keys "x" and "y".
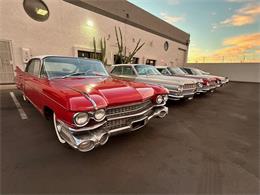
{"x": 37, "y": 65}
{"x": 43, "y": 73}
{"x": 127, "y": 70}
{"x": 30, "y": 67}
{"x": 165, "y": 72}
{"x": 33, "y": 67}
{"x": 187, "y": 70}
{"x": 117, "y": 70}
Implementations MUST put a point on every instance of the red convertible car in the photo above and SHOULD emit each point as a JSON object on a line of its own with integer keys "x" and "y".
{"x": 87, "y": 105}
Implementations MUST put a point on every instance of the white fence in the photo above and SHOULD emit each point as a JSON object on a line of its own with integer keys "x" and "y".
{"x": 245, "y": 72}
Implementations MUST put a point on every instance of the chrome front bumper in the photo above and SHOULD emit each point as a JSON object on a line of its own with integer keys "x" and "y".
{"x": 180, "y": 95}
{"x": 87, "y": 139}
{"x": 206, "y": 89}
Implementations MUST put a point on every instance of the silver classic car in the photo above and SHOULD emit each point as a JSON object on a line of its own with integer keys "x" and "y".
{"x": 179, "y": 88}
{"x": 205, "y": 83}
{"x": 195, "y": 71}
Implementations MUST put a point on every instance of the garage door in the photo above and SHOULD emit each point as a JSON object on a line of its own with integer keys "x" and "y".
{"x": 6, "y": 66}
{"x": 181, "y": 57}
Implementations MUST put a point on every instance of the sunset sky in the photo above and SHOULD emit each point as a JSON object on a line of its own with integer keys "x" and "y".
{"x": 221, "y": 30}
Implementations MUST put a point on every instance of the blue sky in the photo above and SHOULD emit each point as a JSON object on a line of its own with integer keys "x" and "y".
{"x": 217, "y": 27}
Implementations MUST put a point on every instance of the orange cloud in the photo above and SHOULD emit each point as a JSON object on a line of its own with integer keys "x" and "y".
{"x": 243, "y": 16}
{"x": 171, "y": 19}
{"x": 238, "y": 20}
{"x": 236, "y": 49}
{"x": 240, "y": 44}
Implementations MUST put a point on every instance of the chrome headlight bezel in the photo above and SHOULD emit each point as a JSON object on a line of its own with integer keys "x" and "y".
{"x": 159, "y": 99}
{"x": 76, "y": 118}
{"x": 180, "y": 88}
{"x": 101, "y": 113}
{"x": 165, "y": 98}
{"x": 200, "y": 85}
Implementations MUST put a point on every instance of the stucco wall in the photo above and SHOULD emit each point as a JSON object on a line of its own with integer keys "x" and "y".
{"x": 67, "y": 28}
{"x": 245, "y": 72}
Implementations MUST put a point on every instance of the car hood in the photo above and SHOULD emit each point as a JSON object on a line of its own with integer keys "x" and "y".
{"x": 167, "y": 80}
{"x": 219, "y": 77}
{"x": 105, "y": 91}
{"x": 197, "y": 76}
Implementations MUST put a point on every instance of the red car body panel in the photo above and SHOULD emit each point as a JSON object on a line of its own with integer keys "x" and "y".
{"x": 65, "y": 96}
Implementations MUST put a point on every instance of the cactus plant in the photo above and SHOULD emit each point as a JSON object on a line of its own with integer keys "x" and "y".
{"x": 103, "y": 46}
{"x": 95, "y": 48}
{"x": 121, "y": 55}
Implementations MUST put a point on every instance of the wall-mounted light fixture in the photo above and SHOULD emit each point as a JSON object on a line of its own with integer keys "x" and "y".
{"x": 90, "y": 23}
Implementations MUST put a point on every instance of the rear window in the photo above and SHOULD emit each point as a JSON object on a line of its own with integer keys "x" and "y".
{"x": 117, "y": 70}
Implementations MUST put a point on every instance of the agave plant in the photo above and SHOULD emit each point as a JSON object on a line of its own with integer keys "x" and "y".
{"x": 121, "y": 57}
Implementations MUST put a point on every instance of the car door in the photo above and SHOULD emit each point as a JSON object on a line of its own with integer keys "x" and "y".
{"x": 41, "y": 84}
{"x": 31, "y": 79}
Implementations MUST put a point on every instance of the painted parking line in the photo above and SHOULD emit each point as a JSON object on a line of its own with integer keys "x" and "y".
{"x": 19, "y": 107}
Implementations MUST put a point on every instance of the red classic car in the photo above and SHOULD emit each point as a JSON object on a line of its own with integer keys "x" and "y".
{"x": 87, "y": 105}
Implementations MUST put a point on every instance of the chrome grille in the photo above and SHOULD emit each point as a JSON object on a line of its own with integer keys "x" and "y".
{"x": 124, "y": 111}
{"x": 129, "y": 109}
{"x": 189, "y": 86}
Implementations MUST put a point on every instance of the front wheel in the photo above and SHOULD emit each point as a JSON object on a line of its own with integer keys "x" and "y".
{"x": 57, "y": 127}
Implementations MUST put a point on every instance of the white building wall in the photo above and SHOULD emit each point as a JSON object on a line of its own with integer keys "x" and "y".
{"x": 67, "y": 28}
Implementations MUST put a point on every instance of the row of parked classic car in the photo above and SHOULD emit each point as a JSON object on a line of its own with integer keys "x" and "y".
{"x": 87, "y": 105}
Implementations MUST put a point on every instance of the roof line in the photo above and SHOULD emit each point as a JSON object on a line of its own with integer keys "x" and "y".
{"x": 92, "y": 8}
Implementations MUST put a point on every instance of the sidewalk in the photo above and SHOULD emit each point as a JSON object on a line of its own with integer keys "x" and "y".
{"x": 9, "y": 86}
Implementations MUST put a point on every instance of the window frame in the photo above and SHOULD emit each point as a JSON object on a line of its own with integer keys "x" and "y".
{"x": 122, "y": 72}
{"x": 115, "y": 68}
{"x": 29, "y": 64}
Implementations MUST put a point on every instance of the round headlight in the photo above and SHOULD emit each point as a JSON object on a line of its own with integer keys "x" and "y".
{"x": 200, "y": 85}
{"x": 159, "y": 99}
{"x": 180, "y": 88}
{"x": 81, "y": 119}
{"x": 165, "y": 98}
{"x": 100, "y": 115}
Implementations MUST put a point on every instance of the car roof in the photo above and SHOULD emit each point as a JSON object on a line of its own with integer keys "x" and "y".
{"x": 45, "y": 56}
{"x": 161, "y": 66}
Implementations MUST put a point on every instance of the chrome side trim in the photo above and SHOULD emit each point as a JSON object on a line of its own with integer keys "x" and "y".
{"x": 90, "y": 99}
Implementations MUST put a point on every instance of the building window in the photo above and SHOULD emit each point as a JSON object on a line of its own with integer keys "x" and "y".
{"x": 166, "y": 46}
{"x": 150, "y": 62}
{"x": 36, "y": 9}
{"x": 135, "y": 60}
{"x": 88, "y": 54}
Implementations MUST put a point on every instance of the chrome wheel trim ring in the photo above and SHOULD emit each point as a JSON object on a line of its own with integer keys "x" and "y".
{"x": 57, "y": 127}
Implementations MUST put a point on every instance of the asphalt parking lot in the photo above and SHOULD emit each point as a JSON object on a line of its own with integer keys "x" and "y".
{"x": 207, "y": 145}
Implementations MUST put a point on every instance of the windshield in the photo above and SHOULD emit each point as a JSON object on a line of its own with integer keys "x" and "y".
{"x": 146, "y": 70}
{"x": 62, "y": 67}
{"x": 203, "y": 72}
{"x": 196, "y": 71}
{"x": 177, "y": 71}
